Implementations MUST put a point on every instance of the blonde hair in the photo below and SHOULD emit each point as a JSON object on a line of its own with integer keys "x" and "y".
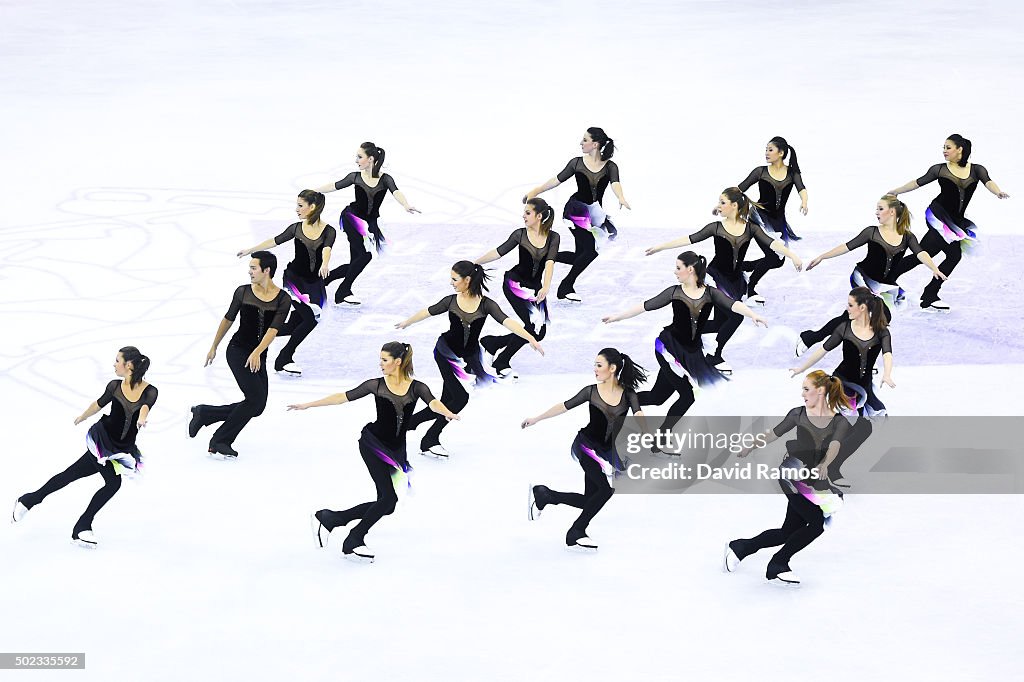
{"x": 902, "y": 213}
{"x": 835, "y": 397}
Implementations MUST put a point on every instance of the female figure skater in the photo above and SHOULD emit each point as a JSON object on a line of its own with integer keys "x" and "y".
{"x": 594, "y": 172}
{"x": 774, "y": 183}
{"x": 820, "y": 434}
{"x": 951, "y": 230}
{"x": 457, "y": 353}
{"x": 304, "y": 276}
{"x": 381, "y": 445}
{"x": 887, "y": 243}
{"x": 678, "y": 349}
{"x": 263, "y": 307}
{"x": 359, "y": 219}
{"x": 526, "y": 285}
{"x": 732, "y": 236}
{"x": 110, "y": 442}
{"x": 609, "y": 400}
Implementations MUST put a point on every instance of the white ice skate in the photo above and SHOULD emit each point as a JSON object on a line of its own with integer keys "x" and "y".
{"x": 360, "y": 555}
{"x": 532, "y": 510}
{"x": 351, "y": 299}
{"x": 436, "y": 452}
{"x": 19, "y": 511}
{"x": 757, "y": 299}
{"x": 720, "y": 364}
{"x": 85, "y": 539}
{"x": 508, "y": 375}
{"x": 936, "y": 306}
{"x": 320, "y": 533}
{"x": 584, "y": 545}
{"x": 572, "y": 297}
{"x": 786, "y": 579}
{"x": 732, "y": 562}
{"x": 291, "y": 370}
{"x": 801, "y": 347}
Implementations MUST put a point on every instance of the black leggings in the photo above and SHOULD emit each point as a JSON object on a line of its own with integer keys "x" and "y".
{"x": 237, "y": 415}
{"x": 855, "y": 437}
{"x": 596, "y": 493}
{"x": 803, "y": 524}
{"x": 932, "y": 243}
{"x": 813, "y": 336}
{"x": 369, "y": 513}
{"x": 358, "y": 258}
{"x": 667, "y": 383}
{"x": 505, "y": 346}
{"x": 760, "y": 267}
{"x": 725, "y": 322}
{"x": 454, "y": 396}
{"x": 579, "y": 260}
{"x": 298, "y": 326}
{"x": 86, "y": 465}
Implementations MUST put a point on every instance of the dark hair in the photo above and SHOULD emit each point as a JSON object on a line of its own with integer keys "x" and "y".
{"x": 964, "y": 144}
{"x": 378, "y": 157}
{"x": 478, "y": 277}
{"x": 607, "y": 144}
{"x": 902, "y": 213}
{"x": 745, "y": 208}
{"x": 140, "y": 363}
{"x": 699, "y": 263}
{"x": 547, "y": 214}
{"x": 629, "y": 374}
{"x": 876, "y": 308}
{"x": 835, "y": 396}
{"x": 402, "y": 351}
{"x": 316, "y": 200}
{"x": 784, "y": 149}
{"x": 267, "y": 260}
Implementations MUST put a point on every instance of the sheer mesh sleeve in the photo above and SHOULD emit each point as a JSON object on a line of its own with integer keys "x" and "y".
{"x": 913, "y": 244}
{"x": 346, "y": 181}
{"x": 364, "y": 389}
{"x": 634, "y": 401}
{"x": 982, "y": 174}
{"x": 750, "y": 180}
{"x": 441, "y": 306}
{"x": 705, "y": 232}
{"x": 836, "y": 339}
{"x": 842, "y": 428}
{"x": 721, "y": 299}
{"x": 761, "y": 237}
{"x": 289, "y": 233}
{"x": 422, "y": 391}
{"x": 510, "y": 243}
{"x": 554, "y": 241}
{"x": 568, "y": 171}
{"x": 931, "y": 176}
{"x": 284, "y": 304}
{"x": 886, "y": 339}
{"x": 236, "y": 304}
{"x": 149, "y": 396}
{"x": 788, "y": 422}
{"x": 862, "y": 238}
{"x": 330, "y": 234}
{"x": 494, "y": 310}
{"x": 389, "y": 182}
{"x": 660, "y": 301}
{"x": 613, "y": 172}
{"x": 798, "y": 182}
{"x": 580, "y": 398}
{"x": 108, "y": 393}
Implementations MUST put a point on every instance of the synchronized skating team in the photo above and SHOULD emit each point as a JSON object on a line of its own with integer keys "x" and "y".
{"x": 832, "y": 423}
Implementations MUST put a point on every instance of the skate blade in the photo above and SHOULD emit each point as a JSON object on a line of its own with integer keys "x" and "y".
{"x": 532, "y": 510}
{"x": 784, "y": 584}
{"x": 358, "y": 558}
{"x": 434, "y": 456}
{"x": 321, "y": 536}
{"x": 286, "y": 373}
{"x": 935, "y": 311}
{"x": 84, "y": 544}
{"x": 221, "y": 457}
{"x": 581, "y": 549}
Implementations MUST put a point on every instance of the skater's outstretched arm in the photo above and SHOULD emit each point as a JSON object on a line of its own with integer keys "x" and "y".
{"x": 811, "y": 358}
{"x": 438, "y": 407}
{"x": 624, "y": 315}
{"x": 93, "y": 408}
{"x": 418, "y": 317}
{"x": 404, "y": 202}
{"x": 760, "y": 441}
{"x": 553, "y": 411}
{"x": 335, "y": 399}
{"x": 617, "y": 188}
{"x": 517, "y": 328}
{"x": 540, "y": 189}
{"x": 682, "y": 241}
{"x": 225, "y": 325}
{"x": 832, "y": 253}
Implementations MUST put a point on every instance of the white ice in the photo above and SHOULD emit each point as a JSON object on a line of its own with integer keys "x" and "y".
{"x": 144, "y": 143}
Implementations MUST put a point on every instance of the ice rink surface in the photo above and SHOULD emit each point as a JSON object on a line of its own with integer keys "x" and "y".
{"x": 145, "y": 143}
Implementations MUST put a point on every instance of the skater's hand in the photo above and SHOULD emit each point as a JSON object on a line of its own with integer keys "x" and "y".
{"x": 141, "y": 423}
{"x": 530, "y": 421}
{"x": 939, "y": 274}
{"x": 625, "y": 204}
{"x": 892, "y": 192}
{"x": 798, "y": 264}
{"x": 821, "y": 472}
{"x": 651, "y": 251}
{"x": 803, "y": 209}
{"x": 454, "y": 418}
{"x": 813, "y": 264}
{"x": 887, "y": 380}
{"x": 793, "y": 371}
{"x": 253, "y": 362}
{"x": 412, "y": 209}
{"x": 301, "y": 406}
{"x": 402, "y": 325}
{"x": 1003, "y": 195}
{"x": 325, "y": 270}
{"x": 744, "y": 452}
{"x": 209, "y": 357}
{"x": 79, "y": 419}
{"x": 541, "y": 295}
{"x": 608, "y": 319}
{"x": 244, "y": 252}
{"x": 760, "y": 321}
{"x": 535, "y": 344}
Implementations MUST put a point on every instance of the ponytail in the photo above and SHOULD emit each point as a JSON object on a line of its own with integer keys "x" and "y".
{"x": 139, "y": 362}
{"x": 607, "y": 144}
{"x": 402, "y": 351}
{"x": 370, "y": 149}
{"x": 786, "y": 149}
{"x": 876, "y": 308}
{"x": 546, "y": 213}
{"x": 745, "y": 208}
{"x": 478, "y": 277}
{"x": 835, "y": 396}
{"x": 699, "y": 263}
{"x": 629, "y": 374}
{"x": 902, "y": 213}
{"x": 965, "y": 146}
{"x": 317, "y": 201}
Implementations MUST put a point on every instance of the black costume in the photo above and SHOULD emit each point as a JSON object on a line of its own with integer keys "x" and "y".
{"x": 589, "y": 220}
{"x": 308, "y": 290}
{"x": 774, "y": 194}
